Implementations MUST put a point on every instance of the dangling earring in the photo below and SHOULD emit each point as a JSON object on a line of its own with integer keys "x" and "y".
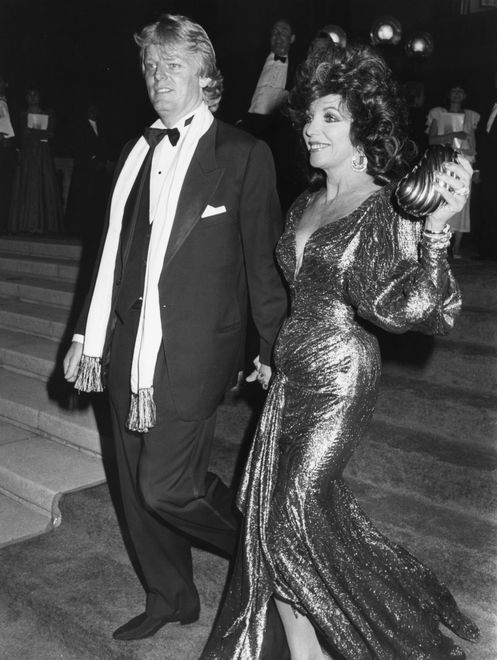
{"x": 359, "y": 160}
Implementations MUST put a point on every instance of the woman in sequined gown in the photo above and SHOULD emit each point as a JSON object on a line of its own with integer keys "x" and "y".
{"x": 341, "y": 588}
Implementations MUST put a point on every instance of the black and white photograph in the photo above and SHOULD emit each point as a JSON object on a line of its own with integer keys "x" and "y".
{"x": 248, "y": 330}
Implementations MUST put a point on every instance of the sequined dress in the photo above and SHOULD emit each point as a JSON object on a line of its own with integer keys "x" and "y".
{"x": 305, "y": 539}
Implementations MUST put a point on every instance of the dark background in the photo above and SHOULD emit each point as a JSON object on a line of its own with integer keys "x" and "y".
{"x": 74, "y": 49}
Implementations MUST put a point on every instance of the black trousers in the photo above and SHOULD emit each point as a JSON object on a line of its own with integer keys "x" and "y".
{"x": 167, "y": 494}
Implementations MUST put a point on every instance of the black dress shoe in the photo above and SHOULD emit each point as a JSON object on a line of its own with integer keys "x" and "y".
{"x": 143, "y": 625}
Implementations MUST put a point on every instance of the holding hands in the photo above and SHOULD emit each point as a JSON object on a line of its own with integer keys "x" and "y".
{"x": 261, "y": 373}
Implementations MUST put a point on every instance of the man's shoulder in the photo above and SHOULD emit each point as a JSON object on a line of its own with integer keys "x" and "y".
{"x": 232, "y": 134}
{"x": 239, "y": 145}
{"x": 129, "y": 144}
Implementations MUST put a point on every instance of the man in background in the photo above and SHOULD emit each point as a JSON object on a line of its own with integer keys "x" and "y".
{"x": 265, "y": 118}
{"x": 91, "y": 177}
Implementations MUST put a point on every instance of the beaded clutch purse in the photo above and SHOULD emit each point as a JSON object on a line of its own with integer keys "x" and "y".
{"x": 415, "y": 192}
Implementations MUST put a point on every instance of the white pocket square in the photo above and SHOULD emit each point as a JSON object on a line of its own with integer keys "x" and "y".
{"x": 213, "y": 210}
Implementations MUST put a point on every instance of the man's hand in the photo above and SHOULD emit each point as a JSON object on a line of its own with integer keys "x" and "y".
{"x": 72, "y": 360}
{"x": 261, "y": 373}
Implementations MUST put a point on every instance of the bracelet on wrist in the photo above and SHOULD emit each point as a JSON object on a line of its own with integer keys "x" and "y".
{"x": 441, "y": 232}
{"x": 440, "y": 242}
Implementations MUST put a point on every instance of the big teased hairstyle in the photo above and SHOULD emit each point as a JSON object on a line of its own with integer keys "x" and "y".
{"x": 378, "y": 112}
{"x": 174, "y": 29}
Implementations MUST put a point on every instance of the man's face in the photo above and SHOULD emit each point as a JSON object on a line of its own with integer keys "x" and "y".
{"x": 281, "y": 38}
{"x": 173, "y": 82}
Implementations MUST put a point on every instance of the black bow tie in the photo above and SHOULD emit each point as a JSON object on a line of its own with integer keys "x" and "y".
{"x": 154, "y": 135}
{"x": 279, "y": 58}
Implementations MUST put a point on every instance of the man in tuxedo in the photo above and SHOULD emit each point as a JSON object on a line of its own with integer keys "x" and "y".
{"x": 91, "y": 176}
{"x": 274, "y": 80}
{"x": 265, "y": 119}
{"x": 193, "y": 221}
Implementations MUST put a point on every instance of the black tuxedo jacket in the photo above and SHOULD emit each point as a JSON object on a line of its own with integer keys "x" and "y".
{"x": 214, "y": 265}
{"x": 87, "y": 145}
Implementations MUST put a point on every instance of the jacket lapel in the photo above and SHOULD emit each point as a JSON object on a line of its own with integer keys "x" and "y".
{"x": 201, "y": 180}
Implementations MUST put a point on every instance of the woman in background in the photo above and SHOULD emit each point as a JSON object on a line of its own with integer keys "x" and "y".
{"x": 455, "y": 126}
{"x": 36, "y": 201}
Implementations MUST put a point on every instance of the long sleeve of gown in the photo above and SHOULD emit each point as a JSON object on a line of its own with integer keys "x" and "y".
{"x": 399, "y": 281}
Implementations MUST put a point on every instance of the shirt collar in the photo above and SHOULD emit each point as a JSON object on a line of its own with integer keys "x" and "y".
{"x": 181, "y": 122}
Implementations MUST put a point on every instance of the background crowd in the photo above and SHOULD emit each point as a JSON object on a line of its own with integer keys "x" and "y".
{"x": 57, "y": 158}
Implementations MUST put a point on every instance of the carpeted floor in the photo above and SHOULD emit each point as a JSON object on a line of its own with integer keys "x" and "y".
{"x": 64, "y": 593}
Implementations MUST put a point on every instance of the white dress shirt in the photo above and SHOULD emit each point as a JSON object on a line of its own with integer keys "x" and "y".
{"x": 493, "y": 114}
{"x": 93, "y": 124}
{"x": 270, "y": 91}
{"x": 162, "y": 159}
{"x": 5, "y": 123}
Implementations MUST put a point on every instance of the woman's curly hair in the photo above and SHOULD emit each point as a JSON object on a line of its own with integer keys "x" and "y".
{"x": 378, "y": 112}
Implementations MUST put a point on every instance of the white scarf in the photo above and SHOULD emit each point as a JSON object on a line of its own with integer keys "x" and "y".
{"x": 149, "y": 334}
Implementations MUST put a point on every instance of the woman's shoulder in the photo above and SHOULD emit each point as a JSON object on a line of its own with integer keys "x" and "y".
{"x": 381, "y": 208}
{"x": 298, "y": 206}
{"x": 381, "y": 197}
{"x": 386, "y": 229}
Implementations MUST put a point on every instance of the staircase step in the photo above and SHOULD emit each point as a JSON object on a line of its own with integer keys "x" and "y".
{"x": 452, "y": 413}
{"x": 460, "y": 548}
{"x": 451, "y": 470}
{"x": 64, "y": 269}
{"x": 44, "y": 320}
{"x": 67, "y": 248}
{"x": 38, "y": 471}
{"x": 453, "y": 364}
{"x": 449, "y": 474}
{"x": 478, "y": 283}
{"x": 427, "y": 525}
{"x": 19, "y": 521}
{"x": 36, "y": 289}
{"x": 476, "y": 326}
{"x": 25, "y": 403}
{"x": 30, "y": 354}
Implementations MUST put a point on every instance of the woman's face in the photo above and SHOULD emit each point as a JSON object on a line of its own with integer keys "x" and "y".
{"x": 327, "y": 133}
{"x": 32, "y": 97}
{"x": 457, "y": 95}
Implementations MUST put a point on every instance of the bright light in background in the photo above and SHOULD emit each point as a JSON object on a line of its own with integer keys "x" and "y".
{"x": 335, "y": 33}
{"x": 386, "y": 30}
{"x": 420, "y": 44}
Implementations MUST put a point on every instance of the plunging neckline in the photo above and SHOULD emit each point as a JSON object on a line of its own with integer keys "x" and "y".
{"x": 298, "y": 265}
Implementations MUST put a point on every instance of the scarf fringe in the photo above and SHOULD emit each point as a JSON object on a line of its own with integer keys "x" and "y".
{"x": 89, "y": 375}
{"x": 142, "y": 411}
